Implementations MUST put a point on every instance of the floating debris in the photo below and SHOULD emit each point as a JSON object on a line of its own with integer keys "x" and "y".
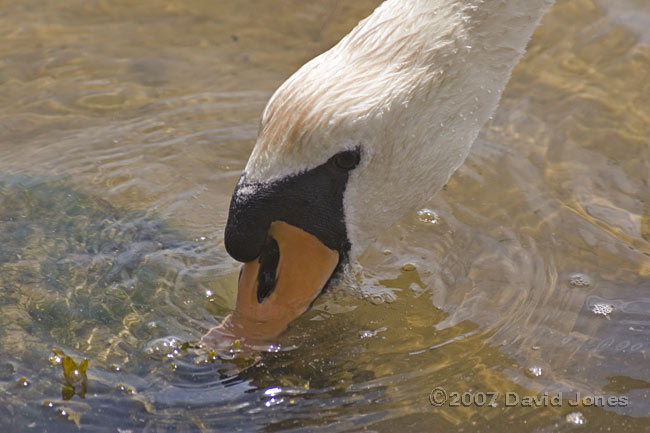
{"x": 55, "y": 359}
{"x": 24, "y": 382}
{"x": 72, "y": 415}
{"x": 74, "y": 376}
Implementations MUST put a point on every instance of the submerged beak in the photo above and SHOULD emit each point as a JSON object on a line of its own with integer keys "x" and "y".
{"x": 278, "y": 286}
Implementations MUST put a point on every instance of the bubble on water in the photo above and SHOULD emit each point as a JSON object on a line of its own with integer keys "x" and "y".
{"x": 428, "y": 216}
{"x": 579, "y": 280}
{"x": 380, "y": 296}
{"x": 369, "y": 334}
{"x": 165, "y": 347}
{"x": 576, "y": 418}
{"x": 602, "y": 309}
{"x": 125, "y": 389}
{"x": 534, "y": 371}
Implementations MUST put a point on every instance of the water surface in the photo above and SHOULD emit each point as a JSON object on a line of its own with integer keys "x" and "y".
{"x": 123, "y": 129}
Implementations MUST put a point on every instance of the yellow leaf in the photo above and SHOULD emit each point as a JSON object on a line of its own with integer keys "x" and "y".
{"x": 83, "y": 365}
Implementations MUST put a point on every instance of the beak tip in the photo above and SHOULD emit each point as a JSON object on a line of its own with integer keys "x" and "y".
{"x": 277, "y": 287}
{"x": 219, "y": 336}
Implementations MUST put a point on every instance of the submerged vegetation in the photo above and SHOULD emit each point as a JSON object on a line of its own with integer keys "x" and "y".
{"x": 75, "y": 380}
{"x": 73, "y": 268}
{"x": 85, "y": 278}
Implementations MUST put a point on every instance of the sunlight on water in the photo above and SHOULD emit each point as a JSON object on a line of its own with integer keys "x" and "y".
{"x": 123, "y": 129}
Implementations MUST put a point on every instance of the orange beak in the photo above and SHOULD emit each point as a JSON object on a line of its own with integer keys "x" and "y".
{"x": 304, "y": 266}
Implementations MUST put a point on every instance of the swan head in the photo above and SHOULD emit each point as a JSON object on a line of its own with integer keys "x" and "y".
{"x": 354, "y": 139}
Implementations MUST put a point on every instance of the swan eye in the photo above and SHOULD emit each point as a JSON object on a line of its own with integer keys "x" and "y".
{"x": 347, "y": 160}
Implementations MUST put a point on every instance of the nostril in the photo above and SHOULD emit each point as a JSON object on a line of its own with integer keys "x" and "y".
{"x": 267, "y": 276}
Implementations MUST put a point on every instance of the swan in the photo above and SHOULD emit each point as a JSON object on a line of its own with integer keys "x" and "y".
{"x": 355, "y": 138}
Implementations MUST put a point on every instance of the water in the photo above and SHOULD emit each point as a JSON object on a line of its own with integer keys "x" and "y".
{"x": 123, "y": 131}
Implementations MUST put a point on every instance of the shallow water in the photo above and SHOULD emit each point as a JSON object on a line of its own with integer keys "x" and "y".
{"x": 123, "y": 129}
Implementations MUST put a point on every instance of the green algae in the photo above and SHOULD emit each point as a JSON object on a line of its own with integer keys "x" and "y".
{"x": 72, "y": 265}
{"x": 75, "y": 380}
{"x": 91, "y": 280}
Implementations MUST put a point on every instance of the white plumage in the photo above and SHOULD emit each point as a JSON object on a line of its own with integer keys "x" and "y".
{"x": 411, "y": 85}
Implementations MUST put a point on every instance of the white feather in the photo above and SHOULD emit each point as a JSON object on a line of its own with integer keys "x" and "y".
{"x": 412, "y": 85}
